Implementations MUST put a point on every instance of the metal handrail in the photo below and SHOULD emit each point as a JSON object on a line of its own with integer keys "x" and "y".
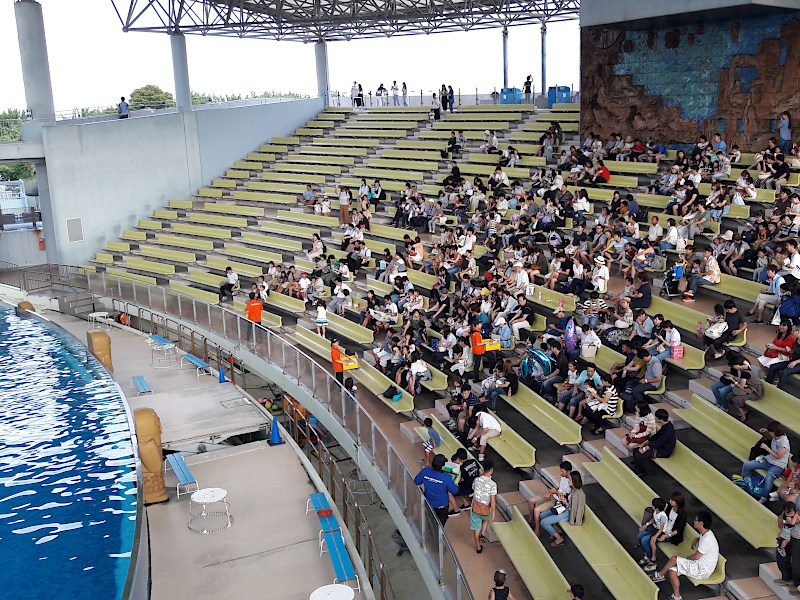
{"x": 194, "y": 307}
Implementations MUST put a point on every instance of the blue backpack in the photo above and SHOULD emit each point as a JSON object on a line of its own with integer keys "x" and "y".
{"x": 753, "y": 484}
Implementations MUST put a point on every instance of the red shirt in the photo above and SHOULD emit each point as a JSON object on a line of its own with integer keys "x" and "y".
{"x": 475, "y": 341}
{"x": 336, "y": 359}
{"x": 253, "y": 309}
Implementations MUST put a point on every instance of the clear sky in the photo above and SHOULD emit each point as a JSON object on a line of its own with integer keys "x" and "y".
{"x": 93, "y": 63}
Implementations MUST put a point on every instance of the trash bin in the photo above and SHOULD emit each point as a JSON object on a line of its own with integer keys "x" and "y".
{"x": 558, "y": 95}
{"x": 510, "y": 96}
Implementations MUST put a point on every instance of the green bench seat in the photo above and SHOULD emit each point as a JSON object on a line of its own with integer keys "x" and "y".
{"x": 346, "y": 143}
{"x": 321, "y": 160}
{"x": 308, "y": 218}
{"x": 181, "y": 204}
{"x": 295, "y": 246}
{"x": 179, "y": 256}
{"x": 377, "y": 383}
{"x": 165, "y": 214}
{"x": 286, "y": 303}
{"x": 746, "y": 516}
{"x": 248, "y": 165}
{"x": 134, "y": 236}
{"x": 306, "y": 233}
{"x": 424, "y": 145}
{"x": 438, "y": 382}
{"x": 149, "y": 225}
{"x": 779, "y": 405}
{"x": 639, "y": 168}
{"x": 380, "y": 288}
{"x": 120, "y": 274}
{"x": 287, "y": 177}
{"x": 374, "y": 173}
{"x": 284, "y": 188}
{"x": 117, "y": 247}
{"x": 184, "y": 242}
{"x": 350, "y": 330}
{"x": 683, "y": 317}
{"x": 379, "y": 124}
{"x": 514, "y": 449}
{"x": 279, "y": 148}
{"x": 384, "y": 231}
{"x": 101, "y": 258}
{"x": 456, "y": 118}
{"x": 260, "y": 157}
{"x": 471, "y": 125}
{"x": 450, "y": 444}
{"x": 622, "y": 181}
{"x": 267, "y": 197}
{"x": 496, "y": 108}
{"x": 237, "y": 174}
{"x": 535, "y": 566}
{"x": 609, "y": 560}
{"x": 595, "y": 194}
{"x": 289, "y": 141}
{"x": 430, "y": 155}
{"x": 331, "y": 151}
{"x": 486, "y": 170}
{"x": 542, "y": 126}
{"x": 388, "y": 163}
{"x": 527, "y": 161}
{"x": 436, "y": 134}
{"x": 423, "y": 280}
{"x": 566, "y": 107}
{"x": 633, "y": 495}
{"x": 209, "y": 193}
{"x": 372, "y": 133}
{"x": 557, "y": 425}
{"x": 203, "y": 295}
{"x": 148, "y": 266}
{"x": 200, "y": 231}
{"x": 207, "y": 279}
{"x": 380, "y": 117}
{"x": 260, "y": 256}
{"x": 218, "y": 263}
{"x": 321, "y": 124}
{"x": 763, "y": 196}
{"x": 387, "y": 185}
{"x": 550, "y": 299}
{"x": 738, "y": 287}
{"x": 233, "y": 209}
{"x": 217, "y": 220}
{"x": 728, "y": 432}
{"x": 310, "y": 340}
{"x": 311, "y": 169}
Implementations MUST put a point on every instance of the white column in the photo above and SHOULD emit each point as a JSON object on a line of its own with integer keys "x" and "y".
{"x": 323, "y": 83}
{"x": 33, "y": 54}
{"x": 505, "y": 57}
{"x": 180, "y": 72}
{"x": 544, "y": 59}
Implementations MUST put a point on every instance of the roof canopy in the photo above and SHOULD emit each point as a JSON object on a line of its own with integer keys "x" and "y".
{"x": 315, "y": 20}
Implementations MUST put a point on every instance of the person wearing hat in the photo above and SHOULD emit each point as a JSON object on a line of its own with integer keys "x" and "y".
{"x": 490, "y": 142}
{"x": 521, "y": 279}
{"x": 336, "y": 359}
{"x": 438, "y": 487}
{"x": 557, "y": 329}
{"x": 600, "y": 275}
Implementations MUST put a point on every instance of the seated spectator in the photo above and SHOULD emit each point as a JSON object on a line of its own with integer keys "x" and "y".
{"x": 645, "y": 426}
{"x": 774, "y": 461}
{"x": 735, "y": 325}
{"x": 650, "y": 532}
{"x": 699, "y": 565}
{"x": 787, "y": 368}
{"x": 781, "y": 348}
{"x": 711, "y": 276}
{"x": 537, "y": 505}
{"x": 572, "y": 397}
{"x": 659, "y": 445}
{"x": 601, "y": 403}
{"x": 652, "y": 377}
{"x": 667, "y": 340}
{"x": 570, "y": 508}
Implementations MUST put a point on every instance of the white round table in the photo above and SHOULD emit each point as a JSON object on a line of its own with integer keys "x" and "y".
{"x": 98, "y": 321}
{"x": 334, "y": 591}
{"x": 220, "y": 519}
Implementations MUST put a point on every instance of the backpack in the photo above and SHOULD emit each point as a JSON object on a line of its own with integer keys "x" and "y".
{"x": 571, "y": 336}
{"x": 752, "y": 484}
{"x": 657, "y": 263}
{"x": 790, "y": 307}
{"x": 391, "y": 392}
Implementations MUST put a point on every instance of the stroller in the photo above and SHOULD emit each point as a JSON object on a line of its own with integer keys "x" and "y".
{"x": 672, "y": 282}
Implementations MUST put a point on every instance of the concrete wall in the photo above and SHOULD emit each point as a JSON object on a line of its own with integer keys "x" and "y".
{"x": 21, "y": 247}
{"x": 225, "y": 136}
{"x": 676, "y": 81}
{"x": 112, "y": 174}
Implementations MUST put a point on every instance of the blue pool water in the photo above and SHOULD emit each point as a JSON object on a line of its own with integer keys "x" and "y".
{"x": 67, "y": 470}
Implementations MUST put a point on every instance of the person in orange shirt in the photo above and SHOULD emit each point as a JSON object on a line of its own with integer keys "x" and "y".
{"x": 253, "y": 309}
{"x": 336, "y": 359}
{"x": 477, "y": 346}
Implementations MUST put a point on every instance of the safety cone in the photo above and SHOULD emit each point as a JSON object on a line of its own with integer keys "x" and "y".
{"x": 275, "y": 438}
{"x": 221, "y": 376}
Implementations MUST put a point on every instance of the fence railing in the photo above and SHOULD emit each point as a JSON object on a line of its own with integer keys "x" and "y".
{"x": 151, "y": 307}
{"x": 462, "y": 97}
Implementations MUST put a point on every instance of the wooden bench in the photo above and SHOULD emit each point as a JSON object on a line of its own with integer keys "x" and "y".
{"x": 377, "y": 383}
{"x": 141, "y": 385}
{"x": 558, "y": 426}
{"x": 182, "y": 472}
{"x": 535, "y": 566}
{"x": 746, "y": 516}
{"x": 310, "y": 219}
{"x": 295, "y": 246}
{"x": 183, "y": 242}
{"x": 728, "y": 432}
{"x": 633, "y": 495}
{"x": 200, "y": 365}
{"x": 609, "y": 560}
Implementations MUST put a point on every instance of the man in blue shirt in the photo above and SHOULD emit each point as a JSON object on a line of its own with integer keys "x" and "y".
{"x": 719, "y": 144}
{"x": 438, "y": 487}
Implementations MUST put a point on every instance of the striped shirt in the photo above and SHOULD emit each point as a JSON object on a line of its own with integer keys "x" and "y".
{"x": 593, "y": 307}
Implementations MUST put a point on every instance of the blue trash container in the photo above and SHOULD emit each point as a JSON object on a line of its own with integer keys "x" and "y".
{"x": 510, "y": 96}
{"x": 558, "y": 95}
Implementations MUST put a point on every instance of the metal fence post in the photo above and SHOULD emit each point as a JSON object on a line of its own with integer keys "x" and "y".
{"x": 239, "y": 329}
{"x": 441, "y": 553}
{"x": 208, "y": 306}
{"x": 423, "y": 517}
{"x": 194, "y": 310}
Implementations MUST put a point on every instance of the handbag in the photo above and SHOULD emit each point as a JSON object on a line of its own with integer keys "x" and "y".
{"x": 588, "y": 350}
{"x": 481, "y": 509}
{"x": 771, "y": 353}
{"x": 716, "y": 330}
{"x": 676, "y": 352}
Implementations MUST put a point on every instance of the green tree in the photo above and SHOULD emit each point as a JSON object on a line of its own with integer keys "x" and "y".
{"x": 14, "y": 172}
{"x": 150, "y": 96}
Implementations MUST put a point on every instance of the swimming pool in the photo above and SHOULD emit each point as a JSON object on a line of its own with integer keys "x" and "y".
{"x": 67, "y": 468}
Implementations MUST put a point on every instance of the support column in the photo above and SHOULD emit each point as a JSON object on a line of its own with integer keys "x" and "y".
{"x": 505, "y": 57}
{"x": 180, "y": 72}
{"x": 323, "y": 82}
{"x": 33, "y": 55}
{"x": 544, "y": 59}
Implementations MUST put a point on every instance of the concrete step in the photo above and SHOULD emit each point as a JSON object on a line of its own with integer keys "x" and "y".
{"x": 506, "y": 502}
{"x": 533, "y": 488}
{"x": 408, "y": 429}
{"x": 616, "y": 437}
{"x": 595, "y": 449}
{"x": 751, "y": 588}
{"x": 680, "y": 398}
{"x": 769, "y": 574}
{"x": 578, "y": 460}
{"x": 702, "y": 387}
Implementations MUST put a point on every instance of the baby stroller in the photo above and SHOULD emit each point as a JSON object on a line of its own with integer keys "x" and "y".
{"x": 672, "y": 282}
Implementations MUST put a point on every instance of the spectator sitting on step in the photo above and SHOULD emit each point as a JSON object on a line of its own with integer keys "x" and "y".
{"x": 659, "y": 445}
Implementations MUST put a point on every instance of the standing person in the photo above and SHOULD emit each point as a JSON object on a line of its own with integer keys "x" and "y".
{"x": 431, "y": 444}
{"x": 483, "y": 504}
{"x": 451, "y": 97}
{"x": 228, "y": 286}
{"x": 354, "y": 95}
{"x": 785, "y": 130}
{"x": 123, "y": 108}
{"x": 336, "y": 359}
{"x": 322, "y": 319}
{"x": 436, "y": 107}
{"x": 500, "y": 590}
{"x": 527, "y": 89}
{"x": 405, "y": 94}
{"x": 789, "y": 560}
{"x": 254, "y": 308}
{"x": 438, "y": 487}
{"x": 444, "y": 97}
{"x": 699, "y": 565}
{"x": 345, "y": 198}
{"x": 395, "y": 96}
